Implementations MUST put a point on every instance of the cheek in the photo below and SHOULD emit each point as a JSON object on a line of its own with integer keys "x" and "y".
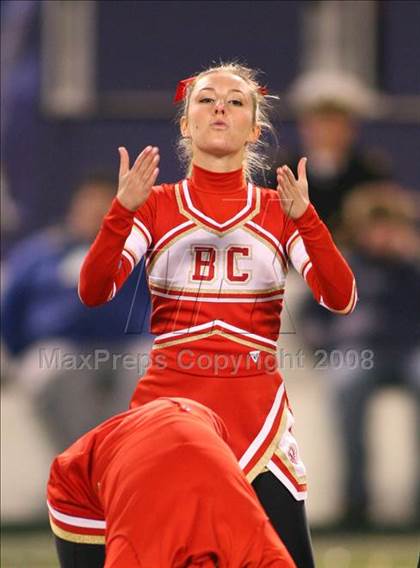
{"x": 196, "y": 118}
{"x": 245, "y": 125}
{"x": 195, "y": 127}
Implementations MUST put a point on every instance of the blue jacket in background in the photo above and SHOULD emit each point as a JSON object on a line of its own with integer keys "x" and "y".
{"x": 40, "y": 299}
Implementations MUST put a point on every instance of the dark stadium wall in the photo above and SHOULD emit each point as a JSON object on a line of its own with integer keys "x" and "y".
{"x": 151, "y": 45}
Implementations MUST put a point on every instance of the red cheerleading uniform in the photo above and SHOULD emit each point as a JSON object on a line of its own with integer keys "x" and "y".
{"x": 217, "y": 255}
{"x": 159, "y": 485}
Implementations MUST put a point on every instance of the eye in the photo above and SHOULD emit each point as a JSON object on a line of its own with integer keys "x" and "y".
{"x": 236, "y": 102}
{"x": 206, "y": 100}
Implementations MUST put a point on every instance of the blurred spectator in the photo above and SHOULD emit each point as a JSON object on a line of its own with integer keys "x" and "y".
{"x": 9, "y": 213}
{"x": 63, "y": 352}
{"x": 379, "y": 344}
{"x": 329, "y": 106}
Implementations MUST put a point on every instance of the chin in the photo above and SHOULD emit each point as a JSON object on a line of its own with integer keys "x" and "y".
{"x": 218, "y": 149}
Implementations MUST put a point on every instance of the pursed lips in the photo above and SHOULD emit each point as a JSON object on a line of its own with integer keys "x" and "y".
{"x": 219, "y": 124}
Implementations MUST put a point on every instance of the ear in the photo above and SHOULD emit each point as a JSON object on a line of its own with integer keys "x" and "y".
{"x": 183, "y": 123}
{"x": 254, "y": 134}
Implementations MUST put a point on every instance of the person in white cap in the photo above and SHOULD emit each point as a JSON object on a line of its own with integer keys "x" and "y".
{"x": 329, "y": 106}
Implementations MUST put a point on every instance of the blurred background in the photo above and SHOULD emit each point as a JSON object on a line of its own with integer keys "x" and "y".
{"x": 78, "y": 79}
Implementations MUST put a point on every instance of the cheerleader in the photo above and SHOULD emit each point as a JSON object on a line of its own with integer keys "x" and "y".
{"x": 114, "y": 486}
{"x": 217, "y": 252}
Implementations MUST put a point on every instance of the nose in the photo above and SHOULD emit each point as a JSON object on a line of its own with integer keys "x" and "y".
{"x": 219, "y": 106}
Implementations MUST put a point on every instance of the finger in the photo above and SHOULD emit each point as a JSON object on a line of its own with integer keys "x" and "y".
{"x": 281, "y": 177}
{"x": 143, "y": 166}
{"x": 286, "y": 188}
{"x": 152, "y": 178}
{"x": 124, "y": 161}
{"x": 281, "y": 182}
{"x": 301, "y": 169}
{"x": 290, "y": 176}
{"x": 285, "y": 180}
{"x": 143, "y": 155}
{"x": 148, "y": 167}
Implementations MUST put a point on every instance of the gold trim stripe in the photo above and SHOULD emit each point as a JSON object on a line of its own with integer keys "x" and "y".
{"x": 350, "y": 305}
{"x": 142, "y": 235}
{"x": 264, "y": 459}
{"x": 157, "y": 253}
{"x": 292, "y": 244}
{"x": 284, "y": 458}
{"x": 76, "y": 537}
{"x": 238, "y": 224}
{"x": 304, "y": 266}
{"x": 141, "y": 227}
{"x": 255, "y": 293}
{"x": 191, "y": 338}
{"x": 136, "y": 259}
{"x": 266, "y": 242}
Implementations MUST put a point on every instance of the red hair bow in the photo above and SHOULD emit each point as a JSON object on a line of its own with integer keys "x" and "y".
{"x": 181, "y": 89}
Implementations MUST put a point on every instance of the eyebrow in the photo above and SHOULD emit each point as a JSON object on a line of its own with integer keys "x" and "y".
{"x": 213, "y": 89}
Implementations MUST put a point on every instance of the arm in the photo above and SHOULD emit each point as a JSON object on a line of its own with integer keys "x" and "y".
{"x": 315, "y": 256}
{"x": 112, "y": 257}
{"x": 311, "y": 248}
{"x": 124, "y": 237}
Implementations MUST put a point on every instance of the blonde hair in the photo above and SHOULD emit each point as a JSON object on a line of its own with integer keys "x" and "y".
{"x": 255, "y": 158}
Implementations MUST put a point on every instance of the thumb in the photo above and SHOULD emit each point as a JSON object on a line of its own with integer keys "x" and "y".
{"x": 301, "y": 169}
{"x": 124, "y": 161}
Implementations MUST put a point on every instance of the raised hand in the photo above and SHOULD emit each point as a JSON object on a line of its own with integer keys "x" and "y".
{"x": 135, "y": 184}
{"x": 294, "y": 194}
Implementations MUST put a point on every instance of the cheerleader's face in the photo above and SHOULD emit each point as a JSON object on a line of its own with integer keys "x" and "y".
{"x": 220, "y": 118}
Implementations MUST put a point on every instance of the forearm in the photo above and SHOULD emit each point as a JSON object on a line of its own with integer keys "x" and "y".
{"x": 327, "y": 272}
{"x": 105, "y": 268}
